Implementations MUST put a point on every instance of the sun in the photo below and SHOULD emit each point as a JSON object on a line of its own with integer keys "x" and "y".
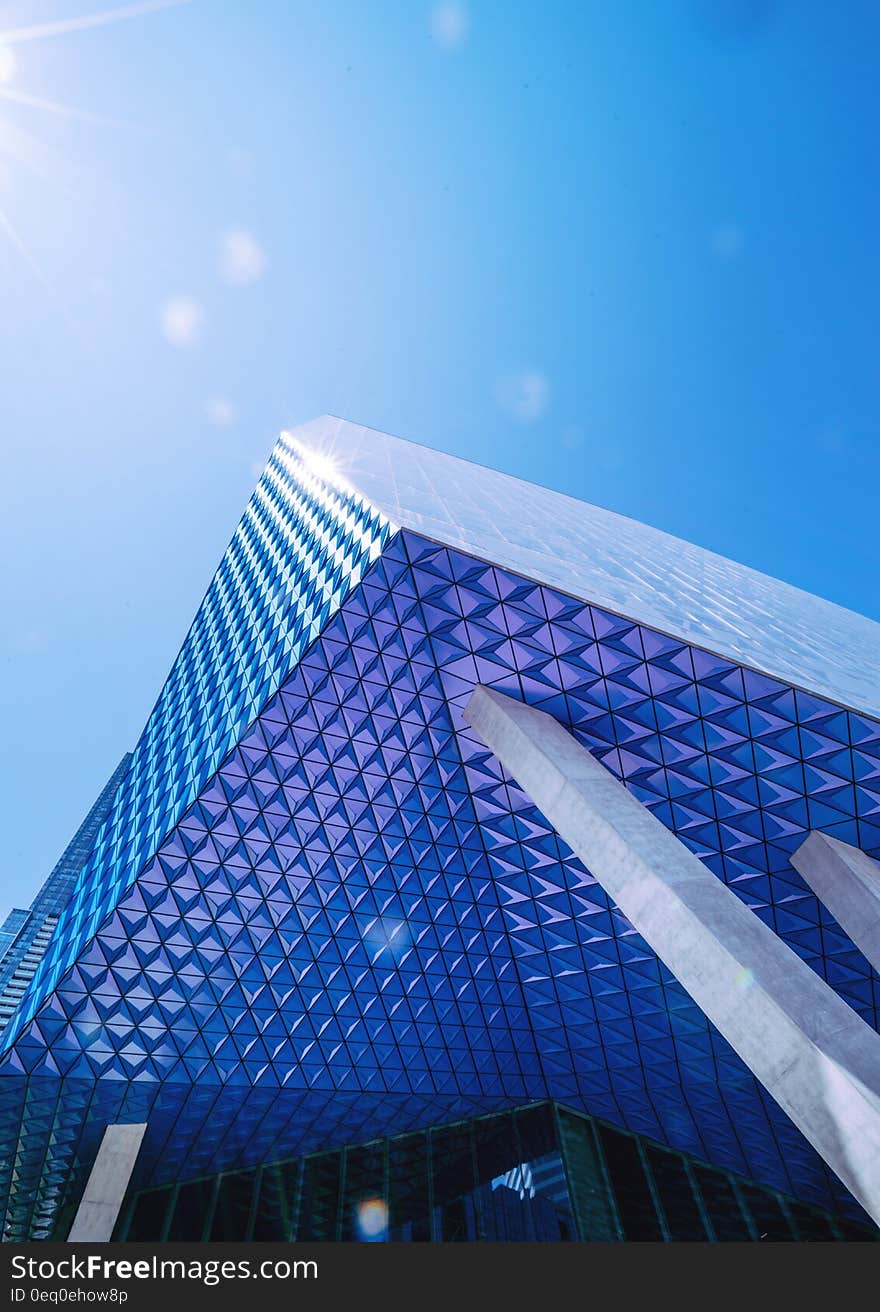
{"x": 11, "y": 92}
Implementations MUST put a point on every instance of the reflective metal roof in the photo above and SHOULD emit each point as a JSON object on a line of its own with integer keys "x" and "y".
{"x": 605, "y": 558}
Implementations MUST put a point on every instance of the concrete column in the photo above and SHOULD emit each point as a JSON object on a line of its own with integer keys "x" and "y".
{"x": 817, "y": 1058}
{"x": 106, "y": 1185}
{"x": 848, "y": 882}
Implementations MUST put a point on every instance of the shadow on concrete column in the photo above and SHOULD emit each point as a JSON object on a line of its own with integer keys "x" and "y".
{"x": 848, "y": 883}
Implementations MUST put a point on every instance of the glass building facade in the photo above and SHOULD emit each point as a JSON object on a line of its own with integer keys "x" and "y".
{"x": 318, "y": 912}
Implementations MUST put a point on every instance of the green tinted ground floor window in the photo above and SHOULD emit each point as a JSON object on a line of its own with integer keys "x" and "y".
{"x": 541, "y": 1173}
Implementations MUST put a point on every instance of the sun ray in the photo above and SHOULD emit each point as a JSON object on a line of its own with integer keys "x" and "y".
{"x": 55, "y": 107}
{"x": 26, "y": 255}
{"x": 18, "y": 145}
{"x": 42, "y": 31}
{"x": 26, "y": 150}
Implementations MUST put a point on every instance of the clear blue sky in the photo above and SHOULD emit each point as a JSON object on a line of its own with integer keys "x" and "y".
{"x": 626, "y": 249}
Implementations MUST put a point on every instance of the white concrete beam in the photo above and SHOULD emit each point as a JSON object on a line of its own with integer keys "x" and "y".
{"x": 817, "y": 1058}
{"x": 848, "y": 882}
{"x": 106, "y": 1185}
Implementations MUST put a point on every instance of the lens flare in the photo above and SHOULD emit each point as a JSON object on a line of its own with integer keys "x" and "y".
{"x": 372, "y": 1220}
{"x": 182, "y": 320}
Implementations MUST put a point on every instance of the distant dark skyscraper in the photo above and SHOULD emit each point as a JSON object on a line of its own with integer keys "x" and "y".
{"x": 25, "y": 934}
{"x": 463, "y": 798}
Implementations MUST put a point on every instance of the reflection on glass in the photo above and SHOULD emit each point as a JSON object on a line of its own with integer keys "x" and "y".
{"x": 541, "y": 1174}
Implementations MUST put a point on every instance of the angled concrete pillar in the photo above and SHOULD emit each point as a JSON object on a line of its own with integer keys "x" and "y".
{"x": 106, "y": 1185}
{"x": 848, "y": 882}
{"x": 817, "y": 1058}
